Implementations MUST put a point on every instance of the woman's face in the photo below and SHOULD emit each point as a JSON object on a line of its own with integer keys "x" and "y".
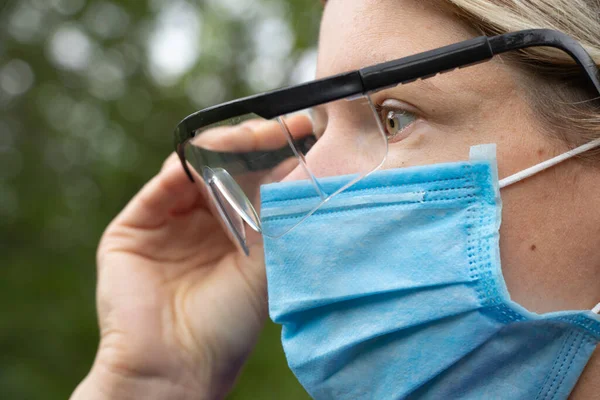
{"x": 544, "y": 226}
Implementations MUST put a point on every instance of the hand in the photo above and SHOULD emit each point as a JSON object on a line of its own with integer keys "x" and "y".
{"x": 178, "y": 304}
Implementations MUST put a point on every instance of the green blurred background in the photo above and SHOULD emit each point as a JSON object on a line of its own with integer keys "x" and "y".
{"x": 90, "y": 91}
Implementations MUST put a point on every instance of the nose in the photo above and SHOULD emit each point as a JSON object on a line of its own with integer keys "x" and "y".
{"x": 342, "y": 150}
{"x": 325, "y": 158}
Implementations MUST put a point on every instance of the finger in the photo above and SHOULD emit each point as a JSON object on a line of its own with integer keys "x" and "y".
{"x": 254, "y": 135}
{"x": 172, "y": 159}
{"x": 299, "y": 125}
{"x": 167, "y": 193}
{"x": 242, "y": 138}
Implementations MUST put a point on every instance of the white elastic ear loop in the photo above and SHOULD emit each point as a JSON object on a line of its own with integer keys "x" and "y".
{"x": 519, "y": 176}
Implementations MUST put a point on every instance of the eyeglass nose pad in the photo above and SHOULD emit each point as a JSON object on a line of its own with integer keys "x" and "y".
{"x": 236, "y": 198}
{"x": 230, "y": 218}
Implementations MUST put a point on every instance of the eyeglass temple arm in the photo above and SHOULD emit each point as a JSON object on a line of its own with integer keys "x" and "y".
{"x": 459, "y": 55}
{"x": 549, "y": 38}
{"x": 445, "y": 59}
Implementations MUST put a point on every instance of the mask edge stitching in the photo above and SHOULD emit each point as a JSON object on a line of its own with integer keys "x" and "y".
{"x": 486, "y": 292}
{"x": 552, "y": 390}
{"x": 355, "y": 189}
{"x": 544, "y": 390}
{"x": 570, "y": 366}
{"x": 390, "y": 203}
{"x": 398, "y": 204}
{"x": 575, "y": 319}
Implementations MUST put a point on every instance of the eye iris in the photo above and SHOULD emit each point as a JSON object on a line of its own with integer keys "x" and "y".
{"x": 391, "y": 119}
{"x": 396, "y": 123}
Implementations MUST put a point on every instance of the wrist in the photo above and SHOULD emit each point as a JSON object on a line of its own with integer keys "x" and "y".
{"x": 104, "y": 384}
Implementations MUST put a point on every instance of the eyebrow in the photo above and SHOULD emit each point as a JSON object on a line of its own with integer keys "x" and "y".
{"x": 428, "y": 84}
{"x": 420, "y": 84}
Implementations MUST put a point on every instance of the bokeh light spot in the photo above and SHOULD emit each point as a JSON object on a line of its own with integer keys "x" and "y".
{"x": 70, "y": 48}
{"x": 26, "y": 23}
{"x": 107, "y": 20}
{"x": 236, "y": 9}
{"x": 87, "y": 119}
{"x": 273, "y": 38}
{"x": 174, "y": 44}
{"x": 67, "y": 7}
{"x": 306, "y": 67}
{"x": 16, "y": 77}
{"x": 56, "y": 105}
{"x": 205, "y": 90}
{"x": 106, "y": 79}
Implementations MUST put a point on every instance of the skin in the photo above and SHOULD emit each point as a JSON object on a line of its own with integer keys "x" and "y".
{"x": 180, "y": 308}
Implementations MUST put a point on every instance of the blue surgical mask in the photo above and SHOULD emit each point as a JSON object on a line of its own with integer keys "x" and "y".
{"x": 394, "y": 290}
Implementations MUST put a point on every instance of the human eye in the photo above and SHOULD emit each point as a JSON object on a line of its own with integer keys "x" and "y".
{"x": 397, "y": 121}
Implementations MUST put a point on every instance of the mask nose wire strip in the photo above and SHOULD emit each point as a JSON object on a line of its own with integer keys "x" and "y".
{"x": 596, "y": 310}
{"x": 519, "y": 176}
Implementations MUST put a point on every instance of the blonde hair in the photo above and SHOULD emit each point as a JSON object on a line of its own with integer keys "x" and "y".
{"x": 559, "y": 96}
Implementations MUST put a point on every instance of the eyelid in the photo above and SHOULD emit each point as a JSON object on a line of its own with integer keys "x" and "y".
{"x": 399, "y": 105}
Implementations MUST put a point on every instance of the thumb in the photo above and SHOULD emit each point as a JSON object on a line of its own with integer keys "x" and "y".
{"x": 169, "y": 192}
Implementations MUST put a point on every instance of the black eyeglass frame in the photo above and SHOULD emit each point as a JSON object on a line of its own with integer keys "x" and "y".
{"x": 389, "y": 74}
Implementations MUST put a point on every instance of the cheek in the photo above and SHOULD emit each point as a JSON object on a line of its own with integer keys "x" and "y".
{"x": 533, "y": 234}
{"x": 430, "y": 145}
{"x": 521, "y": 145}
{"x": 444, "y": 139}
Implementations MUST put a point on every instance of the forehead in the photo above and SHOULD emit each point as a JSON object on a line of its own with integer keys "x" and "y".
{"x": 359, "y": 33}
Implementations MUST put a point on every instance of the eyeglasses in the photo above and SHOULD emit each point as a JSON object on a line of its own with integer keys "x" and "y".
{"x": 233, "y": 148}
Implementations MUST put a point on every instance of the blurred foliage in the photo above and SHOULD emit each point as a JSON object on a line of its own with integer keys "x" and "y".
{"x": 90, "y": 91}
